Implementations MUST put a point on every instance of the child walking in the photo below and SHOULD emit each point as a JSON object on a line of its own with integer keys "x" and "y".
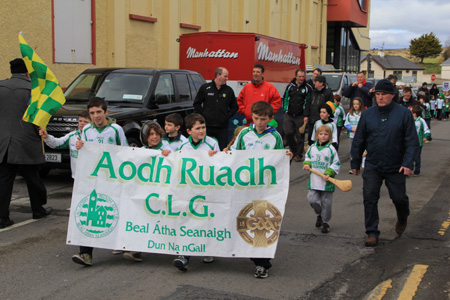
{"x": 352, "y": 119}
{"x": 423, "y": 134}
{"x": 326, "y": 115}
{"x": 339, "y": 118}
{"x": 322, "y": 157}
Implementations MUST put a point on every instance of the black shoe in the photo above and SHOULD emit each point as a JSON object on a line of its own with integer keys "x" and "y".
{"x": 42, "y": 213}
{"x": 325, "y": 228}
{"x": 319, "y": 221}
{"x": 5, "y": 222}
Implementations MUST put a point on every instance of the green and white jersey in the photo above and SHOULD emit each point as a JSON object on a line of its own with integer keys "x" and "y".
{"x": 422, "y": 130}
{"x": 208, "y": 143}
{"x": 350, "y": 122}
{"x": 66, "y": 142}
{"x": 426, "y": 114}
{"x": 325, "y": 160}
{"x": 110, "y": 134}
{"x": 161, "y": 146}
{"x": 439, "y": 103}
{"x": 249, "y": 139}
{"x": 339, "y": 116}
{"x": 330, "y": 124}
{"x": 176, "y": 143}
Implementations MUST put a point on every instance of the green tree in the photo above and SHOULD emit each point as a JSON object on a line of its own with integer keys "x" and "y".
{"x": 427, "y": 45}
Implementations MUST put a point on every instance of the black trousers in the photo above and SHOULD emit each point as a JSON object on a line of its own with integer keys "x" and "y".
{"x": 395, "y": 183}
{"x": 35, "y": 186}
{"x": 294, "y": 138}
{"x": 220, "y": 134}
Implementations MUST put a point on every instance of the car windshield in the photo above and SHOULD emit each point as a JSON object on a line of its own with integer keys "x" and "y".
{"x": 115, "y": 87}
{"x": 333, "y": 80}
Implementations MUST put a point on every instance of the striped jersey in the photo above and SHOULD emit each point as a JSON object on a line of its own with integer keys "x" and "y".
{"x": 249, "y": 139}
{"x": 208, "y": 143}
{"x": 339, "y": 116}
{"x": 332, "y": 125}
{"x": 422, "y": 130}
{"x": 111, "y": 134}
{"x": 350, "y": 122}
{"x": 325, "y": 160}
{"x": 66, "y": 142}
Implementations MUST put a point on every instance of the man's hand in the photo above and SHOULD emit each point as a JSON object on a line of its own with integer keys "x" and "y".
{"x": 360, "y": 85}
{"x": 355, "y": 83}
{"x": 355, "y": 172}
{"x": 79, "y": 144}
{"x": 405, "y": 171}
{"x": 43, "y": 133}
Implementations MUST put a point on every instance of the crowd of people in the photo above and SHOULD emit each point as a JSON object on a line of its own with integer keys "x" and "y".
{"x": 374, "y": 111}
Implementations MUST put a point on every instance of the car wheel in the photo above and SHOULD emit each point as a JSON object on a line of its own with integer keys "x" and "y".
{"x": 134, "y": 142}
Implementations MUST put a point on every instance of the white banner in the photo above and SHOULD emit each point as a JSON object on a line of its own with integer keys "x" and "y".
{"x": 187, "y": 203}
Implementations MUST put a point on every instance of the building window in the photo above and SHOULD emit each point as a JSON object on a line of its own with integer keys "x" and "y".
{"x": 398, "y": 74}
{"x": 72, "y": 31}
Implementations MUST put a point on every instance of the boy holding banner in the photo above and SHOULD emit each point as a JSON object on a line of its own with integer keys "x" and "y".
{"x": 260, "y": 136}
{"x": 198, "y": 140}
{"x": 102, "y": 129}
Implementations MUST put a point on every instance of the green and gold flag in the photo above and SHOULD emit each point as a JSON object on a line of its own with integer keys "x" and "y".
{"x": 46, "y": 93}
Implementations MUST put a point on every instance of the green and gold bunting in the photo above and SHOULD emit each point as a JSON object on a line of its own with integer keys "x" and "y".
{"x": 46, "y": 93}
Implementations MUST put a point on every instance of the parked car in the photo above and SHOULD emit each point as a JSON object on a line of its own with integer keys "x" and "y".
{"x": 133, "y": 96}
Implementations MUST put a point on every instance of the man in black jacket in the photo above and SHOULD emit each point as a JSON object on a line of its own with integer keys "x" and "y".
{"x": 407, "y": 100}
{"x": 320, "y": 95}
{"x": 388, "y": 134}
{"x": 20, "y": 145}
{"x": 295, "y": 97}
{"x": 216, "y": 102}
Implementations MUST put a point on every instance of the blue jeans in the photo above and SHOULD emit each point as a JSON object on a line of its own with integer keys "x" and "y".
{"x": 395, "y": 183}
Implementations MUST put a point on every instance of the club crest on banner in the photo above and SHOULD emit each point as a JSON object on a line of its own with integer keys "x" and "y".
{"x": 96, "y": 215}
{"x": 258, "y": 223}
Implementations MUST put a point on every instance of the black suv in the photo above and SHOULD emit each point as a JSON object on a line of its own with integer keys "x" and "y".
{"x": 133, "y": 96}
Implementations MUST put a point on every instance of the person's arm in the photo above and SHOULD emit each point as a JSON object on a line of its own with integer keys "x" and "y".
{"x": 358, "y": 145}
{"x": 275, "y": 99}
{"x": 348, "y": 91}
{"x": 233, "y": 104}
{"x": 365, "y": 89}
{"x": 198, "y": 102}
{"x": 240, "y": 102}
{"x": 59, "y": 143}
{"x": 335, "y": 165}
{"x": 410, "y": 141}
{"x": 122, "y": 138}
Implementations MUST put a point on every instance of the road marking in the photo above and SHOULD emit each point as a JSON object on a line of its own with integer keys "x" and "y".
{"x": 444, "y": 225}
{"x": 413, "y": 281}
{"x": 380, "y": 290}
{"x": 18, "y": 225}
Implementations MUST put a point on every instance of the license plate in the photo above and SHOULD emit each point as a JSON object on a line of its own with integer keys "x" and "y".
{"x": 53, "y": 157}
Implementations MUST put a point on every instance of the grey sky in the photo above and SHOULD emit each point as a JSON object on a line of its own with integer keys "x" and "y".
{"x": 396, "y": 22}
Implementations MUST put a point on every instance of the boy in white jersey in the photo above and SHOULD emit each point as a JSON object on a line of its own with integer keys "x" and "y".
{"x": 260, "y": 136}
{"x": 103, "y": 130}
{"x": 322, "y": 157}
{"x": 69, "y": 140}
{"x": 423, "y": 133}
{"x": 173, "y": 136}
{"x": 326, "y": 115}
{"x": 339, "y": 118}
{"x": 198, "y": 140}
{"x": 151, "y": 137}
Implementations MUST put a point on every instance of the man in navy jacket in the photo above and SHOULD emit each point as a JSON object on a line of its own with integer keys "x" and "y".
{"x": 387, "y": 132}
{"x": 360, "y": 88}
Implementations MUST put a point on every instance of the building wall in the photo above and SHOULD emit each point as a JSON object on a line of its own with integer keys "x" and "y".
{"x": 125, "y": 42}
{"x": 445, "y": 72}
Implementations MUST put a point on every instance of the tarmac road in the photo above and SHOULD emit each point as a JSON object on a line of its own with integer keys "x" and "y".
{"x": 35, "y": 262}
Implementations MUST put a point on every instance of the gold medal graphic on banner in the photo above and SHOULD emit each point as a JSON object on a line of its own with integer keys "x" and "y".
{"x": 258, "y": 223}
